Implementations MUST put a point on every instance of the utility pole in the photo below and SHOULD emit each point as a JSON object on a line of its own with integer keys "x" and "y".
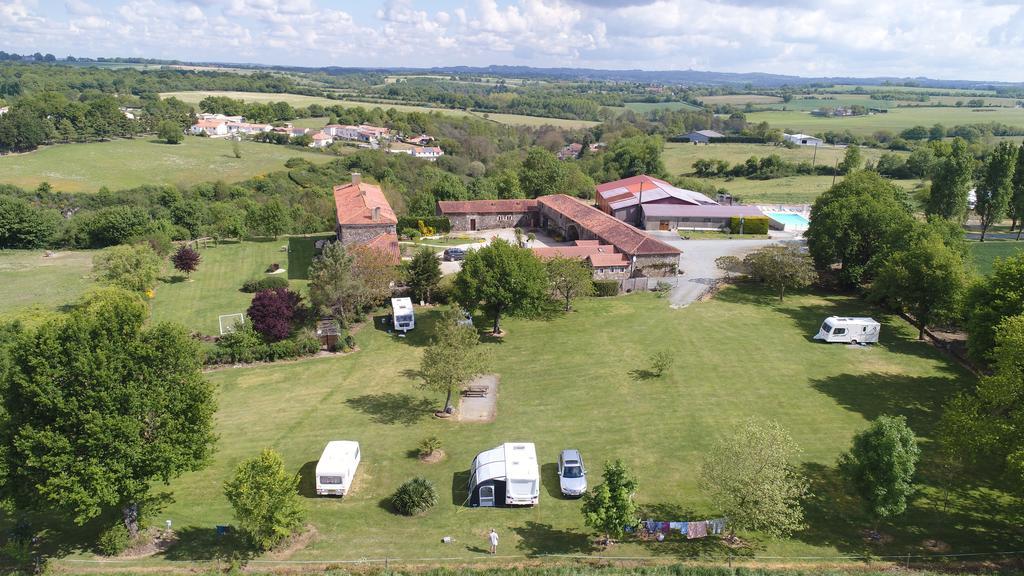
{"x": 835, "y": 170}
{"x": 640, "y": 207}
{"x": 814, "y": 159}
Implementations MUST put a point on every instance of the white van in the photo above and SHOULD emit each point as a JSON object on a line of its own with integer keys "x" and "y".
{"x": 337, "y": 467}
{"x": 846, "y": 329}
{"x": 402, "y": 316}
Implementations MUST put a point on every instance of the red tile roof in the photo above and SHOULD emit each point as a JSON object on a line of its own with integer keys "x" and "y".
{"x": 387, "y": 243}
{"x": 355, "y": 203}
{"x": 486, "y": 206}
{"x": 633, "y": 183}
{"x": 604, "y": 260}
{"x": 596, "y": 254}
{"x": 625, "y": 238}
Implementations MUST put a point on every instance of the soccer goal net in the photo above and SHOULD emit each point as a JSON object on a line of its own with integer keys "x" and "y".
{"x": 230, "y": 322}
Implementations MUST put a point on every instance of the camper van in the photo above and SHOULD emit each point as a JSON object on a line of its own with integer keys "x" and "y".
{"x": 337, "y": 467}
{"x": 402, "y": 315}
{"x": 852, "y": 330}
{"x": 507, "y": 475}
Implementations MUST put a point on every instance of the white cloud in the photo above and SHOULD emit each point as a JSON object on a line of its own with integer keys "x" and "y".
{"x": 981, "y": 39}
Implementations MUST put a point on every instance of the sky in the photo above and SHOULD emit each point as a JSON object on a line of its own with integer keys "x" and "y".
{"x": 948, "y": 39}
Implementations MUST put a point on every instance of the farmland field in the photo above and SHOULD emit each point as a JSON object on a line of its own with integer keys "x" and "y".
{"x": 740, "y": 99}
{"x": 301, "y": 100}
{"x": 32, "y": 280}
{"x": 121, "y": 164}
{"x": 895, "y": 120}
{"x": 648, "y": 106}
{"x": 605, "y": 404}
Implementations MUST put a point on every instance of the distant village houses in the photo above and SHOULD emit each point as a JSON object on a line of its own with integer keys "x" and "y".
{"x": 571, "y": 151}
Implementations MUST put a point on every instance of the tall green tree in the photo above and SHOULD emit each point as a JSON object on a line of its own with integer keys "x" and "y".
{"x": 635, "y": 155}
{"x": 951, "y": 183}
{"x": 331, "y": 283}
{"x": 781, "y": 266}
{"x": 23, "y": 225}
{"x": 502, "y": 279}
{"x": 609, "y": 506}
{"x": 453, "y": 358}
{"x": 751, "y": 477}
{"x": 986, "y": 427}
{"x": 927, "y": 280}
{"x": 991, "y": 300}
{"x": 1017, "y": 198}
{"x": 570, "y": 278}
{"x": 880, "y": 465}
{"x": 856, "y": 222}
{"x": 130, "y": 266}
{"x": 852, "y": 160}
{"x": 423, "y": 274}
{"x": 265, "y": 497}
{"x": 170, "y": 131}
{"x": 100, "y": 407}
{"x": 995, "y": 190}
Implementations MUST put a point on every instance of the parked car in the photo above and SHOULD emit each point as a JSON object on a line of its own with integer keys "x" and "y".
{"x": 572, "y": 476}
{"x": 454, "y": 254}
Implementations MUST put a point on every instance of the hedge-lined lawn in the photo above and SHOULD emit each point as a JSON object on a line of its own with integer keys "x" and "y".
{"x": 984, "y": 254}
{"x": 301, "y": 251}
{"x": 214, "y": 288}
{"x": 29, "y": 279}
{"x": 128, "y": 163}
{"x": 579, "y": 381}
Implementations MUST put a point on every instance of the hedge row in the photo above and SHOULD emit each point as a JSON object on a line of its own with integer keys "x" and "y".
{"x": 751, "y": 225}
{"x": 265, "y": 283}
{"x": 440, "y": 224}
{"x": 244, "y": 346}
{"x": 606, "y": 287}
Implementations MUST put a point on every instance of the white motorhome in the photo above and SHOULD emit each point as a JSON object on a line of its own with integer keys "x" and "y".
{"x": 847, "y": 329}
{"x": 402, "y": 316}
{"x": 507, "y": 475}
{"x": 337, "y": 467}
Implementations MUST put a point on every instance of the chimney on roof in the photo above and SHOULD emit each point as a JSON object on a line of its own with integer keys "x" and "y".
{"x": 375, "y": 214}
{"x": 356, "y": 178}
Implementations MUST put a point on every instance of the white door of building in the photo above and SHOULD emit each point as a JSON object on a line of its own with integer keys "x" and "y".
{"x": 487, "y": 496}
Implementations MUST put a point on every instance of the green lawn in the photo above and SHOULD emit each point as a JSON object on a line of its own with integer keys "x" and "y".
{"x": 122, "y": 164}
{"x": 194, "y": 97}
{"x": 214, "y": 288}
{"x": 31, "y": 281}
{"x": 641, "y": 107}
{"x": 718, "y": 235}
{"x": 680, "y": 156}
{"x": 301, "y": 251}
{"x": 579, "y": 380}
{"x": 983, "y": 254}
{"x": 895, "y": 120}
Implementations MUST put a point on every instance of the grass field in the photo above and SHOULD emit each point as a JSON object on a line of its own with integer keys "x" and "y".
{"x": 214, "y": 288}
{"x": 648, "y": 106}
{"x": 128, "y": 163}
{"x": 983, "y": 254}
{"x": 740, "y": 99}
{"x": 895, "y": 120}
{"x": 301, "y": 100}
{"x": 33, "y": 282}
{"x": 604, "y": 403}
{"x": 679, "y": 158}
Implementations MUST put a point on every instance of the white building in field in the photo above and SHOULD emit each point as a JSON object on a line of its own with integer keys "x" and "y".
{"x": 430, "y": 153}
{"x": 802, "y": 139}
{"x": 247, "y": 128}
{"x": 221, "y": 117}
{"x": 321, "y": 140}
{"x": 211, "y": 128}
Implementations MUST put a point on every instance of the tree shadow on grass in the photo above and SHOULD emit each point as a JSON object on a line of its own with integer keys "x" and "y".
{"x": 537, "y": 538}
{"x": 642, "y": 374}
{"x": 392, "y": 408}
{"x": 195, "y": 543}
{"x": 175, "y": 279}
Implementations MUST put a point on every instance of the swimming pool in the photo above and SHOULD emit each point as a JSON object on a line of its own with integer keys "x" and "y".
{"x": 789, "y": 219}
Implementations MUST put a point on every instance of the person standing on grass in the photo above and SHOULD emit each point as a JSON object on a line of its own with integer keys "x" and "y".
{"x": 493, "y": 538}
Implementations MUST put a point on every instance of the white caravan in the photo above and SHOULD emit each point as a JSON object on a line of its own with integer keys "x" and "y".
{"x": 845, "y": 329}
{"x": 337, "y": 467}
{"x": 507, "y": 475}
{"x": 402, "y": 316}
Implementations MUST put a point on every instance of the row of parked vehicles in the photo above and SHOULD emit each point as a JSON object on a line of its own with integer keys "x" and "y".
{"x": 507, "y": 475}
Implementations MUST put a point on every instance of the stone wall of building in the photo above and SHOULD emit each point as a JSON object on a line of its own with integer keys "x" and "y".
{"x": 462, "y": 222}
{"x": 362, "y": 233}
{"x": 656, "y": 265}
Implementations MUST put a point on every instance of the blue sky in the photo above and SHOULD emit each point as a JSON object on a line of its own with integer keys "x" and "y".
{"x": 964, "y": 39}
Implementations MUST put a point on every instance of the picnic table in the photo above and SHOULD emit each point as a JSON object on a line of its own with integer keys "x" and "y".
{"x": 475, "y": 391}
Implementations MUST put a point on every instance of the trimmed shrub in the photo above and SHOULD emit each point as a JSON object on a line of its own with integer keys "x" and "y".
{"x": 606, "y": 287}
{"x": 428, "y": 446}
{"x": 440, "y": 224}
{"x": 265, "y": 283}
{"x": 113, "y": 540}
{"x": 414, "y": 497}
{"x": 751, "y": 225}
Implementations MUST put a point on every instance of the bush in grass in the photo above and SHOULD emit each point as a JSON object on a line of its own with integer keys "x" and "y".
{"x": 265, "y": 283}
{"x": 266, "y": 500}
{"x": 113, "y": 540}
{"x": 414, "y": 497}
{"x": 411, "y": 233}
{"x": 272, "y": 313}
{"x": 428, "y": 446}
{"x": 751, "y": 225}
{"x": 606, "y": 287}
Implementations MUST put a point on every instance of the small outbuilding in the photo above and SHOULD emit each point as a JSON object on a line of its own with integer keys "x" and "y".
{"x": 802, "y": 139}
{"x": 505, "y": 476}
{"x": 703, "y": 136}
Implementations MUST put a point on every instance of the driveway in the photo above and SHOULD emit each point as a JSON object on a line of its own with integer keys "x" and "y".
{"x": 698, "y": 262}
{"x": 507, "y": 234}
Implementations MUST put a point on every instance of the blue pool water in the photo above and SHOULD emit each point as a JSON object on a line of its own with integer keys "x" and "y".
{"x": 789, "y": 219}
